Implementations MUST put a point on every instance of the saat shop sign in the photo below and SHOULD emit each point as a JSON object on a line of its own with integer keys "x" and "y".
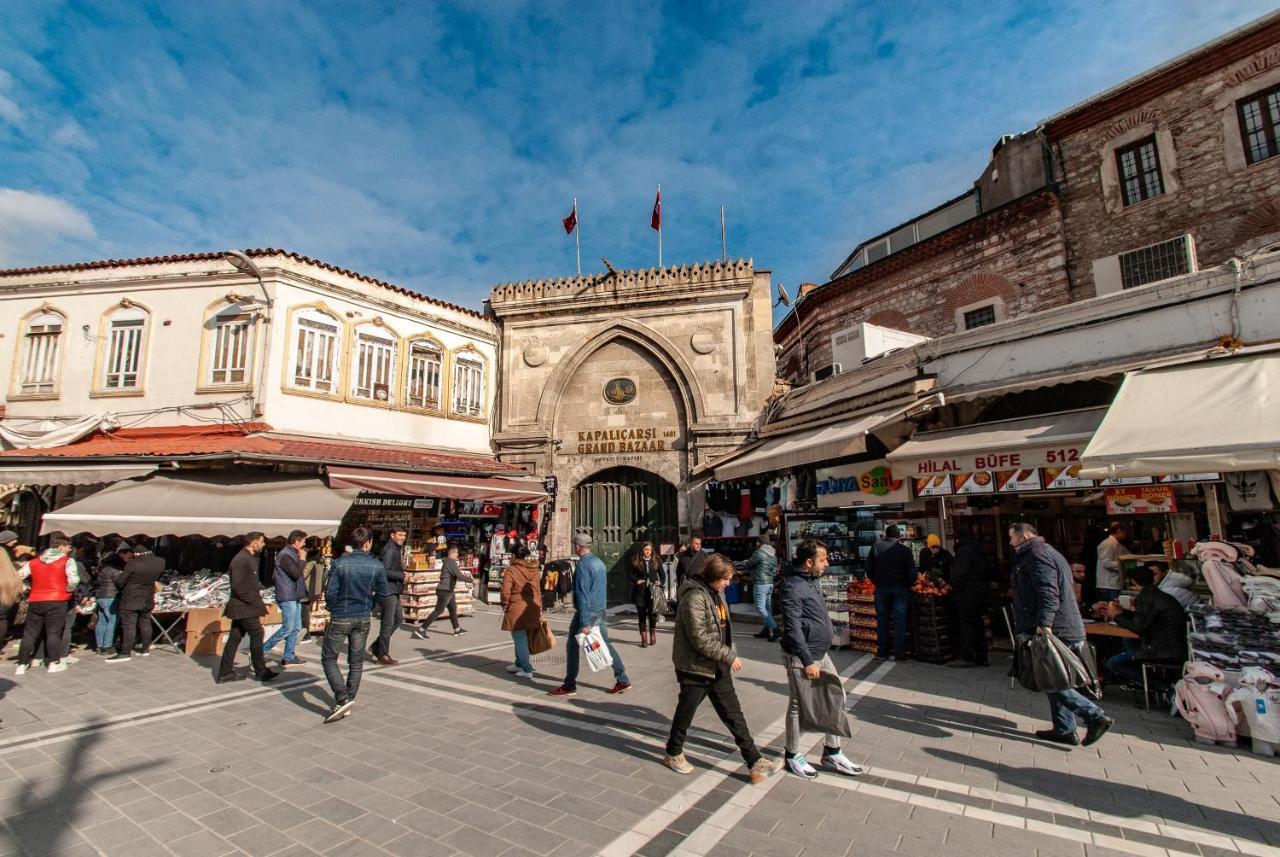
{"x": 871, "y": 483}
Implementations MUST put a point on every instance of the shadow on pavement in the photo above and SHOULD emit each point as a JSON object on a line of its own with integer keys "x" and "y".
{"x": 932, "y": 721}
{"x": 1114, "y": 798}
{"x": 42, "y": 819}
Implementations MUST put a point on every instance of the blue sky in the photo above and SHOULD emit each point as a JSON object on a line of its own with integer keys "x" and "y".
{"x": 438, "y": 145}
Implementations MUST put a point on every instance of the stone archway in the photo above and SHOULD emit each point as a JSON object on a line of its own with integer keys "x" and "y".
{"x": 621, "y": 507}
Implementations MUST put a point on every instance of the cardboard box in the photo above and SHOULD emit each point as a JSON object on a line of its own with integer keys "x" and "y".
{"x": 207, "y": 628}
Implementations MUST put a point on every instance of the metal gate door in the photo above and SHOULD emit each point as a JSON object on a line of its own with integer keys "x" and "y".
{"x": 620, "y": 507}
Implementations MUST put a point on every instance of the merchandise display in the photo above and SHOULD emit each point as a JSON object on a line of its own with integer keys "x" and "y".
{"x": 1232, "y": 639}
{"x": 861, "y": 594}
{"x": 422, "y": 574}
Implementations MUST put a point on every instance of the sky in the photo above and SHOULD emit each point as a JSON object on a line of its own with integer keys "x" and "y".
{"x": 439, "y": 145}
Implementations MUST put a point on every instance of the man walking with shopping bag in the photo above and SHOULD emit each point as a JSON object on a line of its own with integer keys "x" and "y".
{"x": 806, "y": 637}
{"x": 590, "y": 584}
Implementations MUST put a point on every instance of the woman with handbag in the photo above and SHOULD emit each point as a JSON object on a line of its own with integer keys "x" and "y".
{"x": 646, "y": 570}
{"x": 521, "y": 599}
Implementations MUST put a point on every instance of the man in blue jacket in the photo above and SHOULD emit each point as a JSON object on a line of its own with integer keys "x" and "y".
{"x": 806, "y": 637}
{"x": 1044, "y": 603}
{"x": 590, "y": 583}
{"x": 290, "y": 590}
{"x": 357, "y": 583}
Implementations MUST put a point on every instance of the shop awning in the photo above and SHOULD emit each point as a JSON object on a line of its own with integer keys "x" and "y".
{"x": 836, "y": 440}
{"x": 72, "y": 474}
{"x": 495, "y": 489}
{"x": 205, "y": 506}
{"x": 1041, "y": 441}
{"x": 1214, "y": 415}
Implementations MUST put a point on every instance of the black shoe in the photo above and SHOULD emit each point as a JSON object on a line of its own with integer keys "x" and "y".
{"x": 339, "y": 711}
{"x": 119, "y": 658}
{"x": 420, "y": 633}
{"x": 291, "y": 662}
{"x": 459, "y": 632}
{"x": 1070, "y": 739}
{"x": 775, "y": 635}
{"x": 224, "y": 679}
{"x": 1097, "y": 729}
{"x": 644, "y": 641}
{"x": 961, "y": 665}
{"x": 763, "y": 635}
{"x": 267, "y": 675}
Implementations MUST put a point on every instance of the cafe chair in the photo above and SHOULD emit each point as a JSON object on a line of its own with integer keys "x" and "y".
{"x": 1013, "y": 641}
{"x": 1172, "y": 672}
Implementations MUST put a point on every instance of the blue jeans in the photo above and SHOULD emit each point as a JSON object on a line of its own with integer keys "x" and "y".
{"x": 521, "y": 640}
{"x": 1066, "y": 705}
{"x": 351, "y": 634}
{"x": 891, "y": 606}
{"x": 573, "y": 653}
{"x": 1123, "y": 666}
{"x": 105, "y": 633}
{"x": 764, "y": 605}
{"x": 290, "y": 627}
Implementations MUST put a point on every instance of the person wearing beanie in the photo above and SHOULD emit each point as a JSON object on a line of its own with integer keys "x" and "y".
{"x": 935, "y": 560}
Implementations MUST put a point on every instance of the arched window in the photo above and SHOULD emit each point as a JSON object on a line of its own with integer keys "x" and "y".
{"x": 468, "y": 384}
{"x": 425, "y": 375}
{"x": 317, "y": 339}
{"x": 230, "y": 347}
{"x": 373, "y": 370}
{"x": 124, "y": 349}
{"x": 38, "y": 361}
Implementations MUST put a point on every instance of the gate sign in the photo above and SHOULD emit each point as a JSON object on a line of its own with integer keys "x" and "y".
{"x": 871, "y": 483}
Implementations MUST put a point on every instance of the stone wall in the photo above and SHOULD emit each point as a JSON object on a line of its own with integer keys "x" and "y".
{"x": 1226, "y": 205}
{"x": 1012, "y": 257}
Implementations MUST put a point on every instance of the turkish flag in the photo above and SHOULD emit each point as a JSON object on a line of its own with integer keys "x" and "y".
{"x": 655, "y": 222}
{"x": 571, "y": 222}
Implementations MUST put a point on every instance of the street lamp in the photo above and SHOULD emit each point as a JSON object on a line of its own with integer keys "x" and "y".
{"x": 245, "y": 265}
{"x": 242, "y": 263}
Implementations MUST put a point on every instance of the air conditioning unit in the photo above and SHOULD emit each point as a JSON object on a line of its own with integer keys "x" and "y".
{"x": 828, "y": 371}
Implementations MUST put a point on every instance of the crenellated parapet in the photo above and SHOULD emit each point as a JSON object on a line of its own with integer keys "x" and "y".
{"x": 628, "y": 285}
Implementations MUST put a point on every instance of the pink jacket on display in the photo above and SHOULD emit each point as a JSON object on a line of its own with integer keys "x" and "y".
{"x": 1217, "y": 565}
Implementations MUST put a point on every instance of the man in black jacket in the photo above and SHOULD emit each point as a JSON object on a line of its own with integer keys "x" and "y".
{"x": 691, "y": 560}
{"x": 892, "y": 569}
{"x": 1158, "y": 620}
{"x": 245, "y": 609}
{"x": 806, "y": 637}
{"x": 392, "y": 557}
{"x": 1044, "y": 604}
{"x": 135, "y": 601}
{"x": 970, "y": 589}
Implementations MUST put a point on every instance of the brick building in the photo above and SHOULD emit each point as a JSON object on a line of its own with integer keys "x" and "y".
{"x": 1173, "y": 171}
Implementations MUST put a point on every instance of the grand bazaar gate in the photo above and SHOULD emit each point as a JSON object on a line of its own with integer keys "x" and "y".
{"x": 619, "y": 507}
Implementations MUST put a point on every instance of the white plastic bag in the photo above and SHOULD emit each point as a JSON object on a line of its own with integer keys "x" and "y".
{"x": 595, "y": 651}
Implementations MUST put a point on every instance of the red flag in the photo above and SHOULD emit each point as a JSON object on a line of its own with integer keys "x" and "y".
{"x": 655, "y": 222}
{"x": 571, "y": 222}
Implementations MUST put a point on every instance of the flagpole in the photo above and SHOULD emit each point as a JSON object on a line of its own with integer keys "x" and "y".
{"x": 659, "y": 231}
{"x": 724, "y": 247}
{"x": 577, "y": 235}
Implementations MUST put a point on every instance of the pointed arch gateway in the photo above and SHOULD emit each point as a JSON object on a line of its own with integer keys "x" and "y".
{"x": 620, "y": 508}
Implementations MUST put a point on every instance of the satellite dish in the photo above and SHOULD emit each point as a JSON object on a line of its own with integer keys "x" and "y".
{"x": 783, "y": 297}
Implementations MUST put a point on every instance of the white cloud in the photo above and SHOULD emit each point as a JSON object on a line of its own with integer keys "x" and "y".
{"x": 73, "y": 136}
{"x": 10, "y": 111}
{"x": 32, "y": 223}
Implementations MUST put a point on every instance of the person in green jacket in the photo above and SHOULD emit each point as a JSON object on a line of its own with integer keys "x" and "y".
{"x": 705, "y": 660}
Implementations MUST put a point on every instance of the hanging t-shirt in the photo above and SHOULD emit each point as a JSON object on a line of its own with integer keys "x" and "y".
{"x": 1248, "y": 491}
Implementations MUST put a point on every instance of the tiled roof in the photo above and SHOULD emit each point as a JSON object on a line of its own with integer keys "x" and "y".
{"x": 256, "y": 440}
{"x": 213, "y": 257}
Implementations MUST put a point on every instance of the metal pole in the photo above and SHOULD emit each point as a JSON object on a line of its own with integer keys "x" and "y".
{"x": 659, "y": 227}
{"x": 577, "y": 235}
{"x": 724, "y": 246}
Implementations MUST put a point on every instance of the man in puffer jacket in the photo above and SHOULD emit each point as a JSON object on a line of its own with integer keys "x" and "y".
{"x": 806, "y": 636}
{"x": 1044, "y": 603}
{"x": 705, "y": 660}
{"x": 763, "y": 568}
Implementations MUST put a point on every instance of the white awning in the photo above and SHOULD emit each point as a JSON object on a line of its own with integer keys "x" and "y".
{"x": 1215, "y": 415}
{"x": 71, "y": 474}
{"x": 206, "y": 506}
{"x": 836, "y": 440}
{"x": 1042, "y": 441}
{"x": 494, "y": 489}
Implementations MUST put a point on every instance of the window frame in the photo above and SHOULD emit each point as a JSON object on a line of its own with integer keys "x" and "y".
{"x": 125, "y": 311}
{"x": 21, "y": 356}
{"x": 209, "y": 348}
{"x": 1141, "y": 173}
{"x": 442, "y": 387}
{"x": 990, "y": 307}
{"x": 1270, "y": 125}
{"x": 374, "y": 330}
{"x": 468, "y": 354}
{"x": 317, "y": 314}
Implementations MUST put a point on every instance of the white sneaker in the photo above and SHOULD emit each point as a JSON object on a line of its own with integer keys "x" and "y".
{"x": 21, "y": 670}
{"x": 523, "y": 674}
{"x": 71, "y": 659}
{"x": 799, "y": 766}
{"x": 512, "y": 668}
{"x": 841, "y": 764}
{"x": 57, "y": 666}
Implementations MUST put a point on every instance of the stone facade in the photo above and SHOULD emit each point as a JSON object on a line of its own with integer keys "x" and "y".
{"x": 1228, "y": 207}
{"x": 691, "y": 347}
{"x": 1011, "y": 258}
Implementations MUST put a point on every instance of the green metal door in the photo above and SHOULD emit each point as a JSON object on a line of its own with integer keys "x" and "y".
{"x": 619, "y": 508}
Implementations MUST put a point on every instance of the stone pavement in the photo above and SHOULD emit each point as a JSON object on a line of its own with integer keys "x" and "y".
{"x": 448, "y": 754}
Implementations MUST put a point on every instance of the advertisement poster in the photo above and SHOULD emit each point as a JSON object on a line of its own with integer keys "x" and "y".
{"x": 1141, "y": 500}
{"x": 1018, "y": 480}
{"x": 872, "y": 483}
{"x": 981, "y": 482}
{"x": 933, "y": 486}
{"x": 1057, "y": 478}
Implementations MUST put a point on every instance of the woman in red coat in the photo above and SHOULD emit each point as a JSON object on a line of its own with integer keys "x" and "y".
{"x": 521, "y": 599}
